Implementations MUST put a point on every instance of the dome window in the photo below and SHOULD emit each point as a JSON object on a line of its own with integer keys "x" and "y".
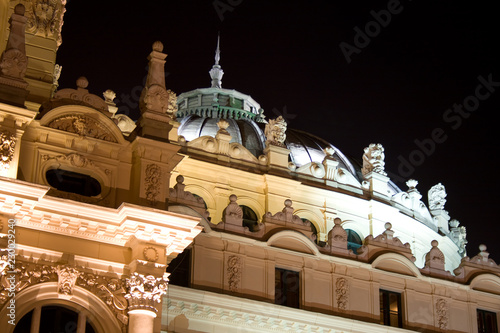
{"x": 353, "y": 241}
{"x": 73, "y": 182}
{"x": 250, "y": 218}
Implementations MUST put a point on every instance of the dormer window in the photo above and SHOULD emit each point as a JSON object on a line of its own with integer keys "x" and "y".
{"x": 73, "y": 182}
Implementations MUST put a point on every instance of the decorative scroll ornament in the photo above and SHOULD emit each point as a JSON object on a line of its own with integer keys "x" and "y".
{"x": 373, "y": 159}
{"x": 234, "y": 272}
{"x": 145, "y": 291}
{"x": 436, "y": 197}
{"x": 442, "y": 314}
{"x": 342, "y": 293}
{"x": 67, "y": 276}
{"x": 7, "y": 148}
{"x": 275, "y": 131}
{"x": 152, "y": 182}
{"x": 45, "y": 18}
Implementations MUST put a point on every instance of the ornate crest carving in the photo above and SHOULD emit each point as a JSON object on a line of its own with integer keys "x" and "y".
{"x": 14, "y": 63}
{"x": 233, "y": 214}
{"x": 45, "y": 18}
{"x": 234, "y": 267}
{"x": 7, "y": 148}
{"x": 152, "y": 182}
{"x": 373, "y": 159}
{"x": 342, "y": 293}
{"x": 275, "y": 131}
{"x": 83, "y": 126}
{"x": 436, "y": 197}
{"x": 435, "y": 258}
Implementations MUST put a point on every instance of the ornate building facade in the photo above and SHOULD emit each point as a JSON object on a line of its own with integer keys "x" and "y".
{"x": 204, "y": 216}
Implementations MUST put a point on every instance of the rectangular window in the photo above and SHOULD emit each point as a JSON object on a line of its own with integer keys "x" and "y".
{"x": 486, "y": 321}
{"x": 287, "y": 288}
{"x": 391, "y": 313}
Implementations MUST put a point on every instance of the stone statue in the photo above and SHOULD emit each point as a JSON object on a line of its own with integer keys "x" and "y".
{"x": 275, "y": 131}
{"x": 373, "y": 159}
{"x": 436, "y": 197}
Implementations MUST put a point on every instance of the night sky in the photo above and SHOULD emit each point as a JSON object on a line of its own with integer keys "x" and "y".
{"x": 415, "y": 81}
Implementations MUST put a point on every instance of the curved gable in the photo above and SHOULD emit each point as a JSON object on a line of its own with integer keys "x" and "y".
{"x": 294, "y": 241}
{"x": 396, "y": 263}
{"x": 486, "y": 282}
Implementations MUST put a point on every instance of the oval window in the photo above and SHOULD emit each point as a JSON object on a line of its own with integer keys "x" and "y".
{"x": 73, "y": 182}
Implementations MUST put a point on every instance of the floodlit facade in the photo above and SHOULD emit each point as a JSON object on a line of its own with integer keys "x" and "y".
{"x": 205, "y": 216}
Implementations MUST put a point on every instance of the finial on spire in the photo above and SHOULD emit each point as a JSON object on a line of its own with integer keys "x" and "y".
{"x": 217, "y": 51}
{"x": 216, "y": 72}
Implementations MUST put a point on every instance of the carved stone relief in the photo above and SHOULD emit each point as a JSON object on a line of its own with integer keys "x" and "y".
{"x": 7, "y": 148}
{"x": 83, "y": 126}
{"x": 442, "y": 314}
{"x": 234, "y": 267}
{"x": 275, "y": 131}
{"x": 342, "y": 293}
{"x": 373, "y": 159}
{"x": 152, "y": 182}
{"x": 45, "y": 18}
{"x": 145, "y": 290}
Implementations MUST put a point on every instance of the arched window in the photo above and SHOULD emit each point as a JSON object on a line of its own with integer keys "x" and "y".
{"x": 354, "y": 242}
{"x": 314, "y": 230}
{"x": 73, "y": 182}
{"x": 250, "y": 218}
{"x": 53, "y": 319}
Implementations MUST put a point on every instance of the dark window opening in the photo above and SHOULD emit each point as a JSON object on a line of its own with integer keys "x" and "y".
{"x": 486, "y": 322}
{"x": 53, "y": 319}
{"x": 354, "y": 242}
{"x": 180, "y": 269}
{"x": 315, "y": 232}
{"x": 287, "y": 288}
{"x": 250, "y": 218}
{"x": 197, "y": 196}
{"x": 73, "y": 182}
{"x": 390, "y": 309}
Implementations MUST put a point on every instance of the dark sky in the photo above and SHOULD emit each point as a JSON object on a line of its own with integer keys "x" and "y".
{"x": 400, "y": 84}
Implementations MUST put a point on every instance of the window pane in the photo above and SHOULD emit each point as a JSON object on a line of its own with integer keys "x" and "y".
{"x": 487, "y": 321}
{"x": 390, "y": 309}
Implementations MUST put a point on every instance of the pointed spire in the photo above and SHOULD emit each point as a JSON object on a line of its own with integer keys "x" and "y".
{"x": 216, "y": 72}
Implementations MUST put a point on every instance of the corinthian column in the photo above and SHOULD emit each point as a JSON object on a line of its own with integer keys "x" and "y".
{"x": 144, "y": 292}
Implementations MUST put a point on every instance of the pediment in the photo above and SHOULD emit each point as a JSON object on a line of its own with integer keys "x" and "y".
{"x": 83, "y": 121}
